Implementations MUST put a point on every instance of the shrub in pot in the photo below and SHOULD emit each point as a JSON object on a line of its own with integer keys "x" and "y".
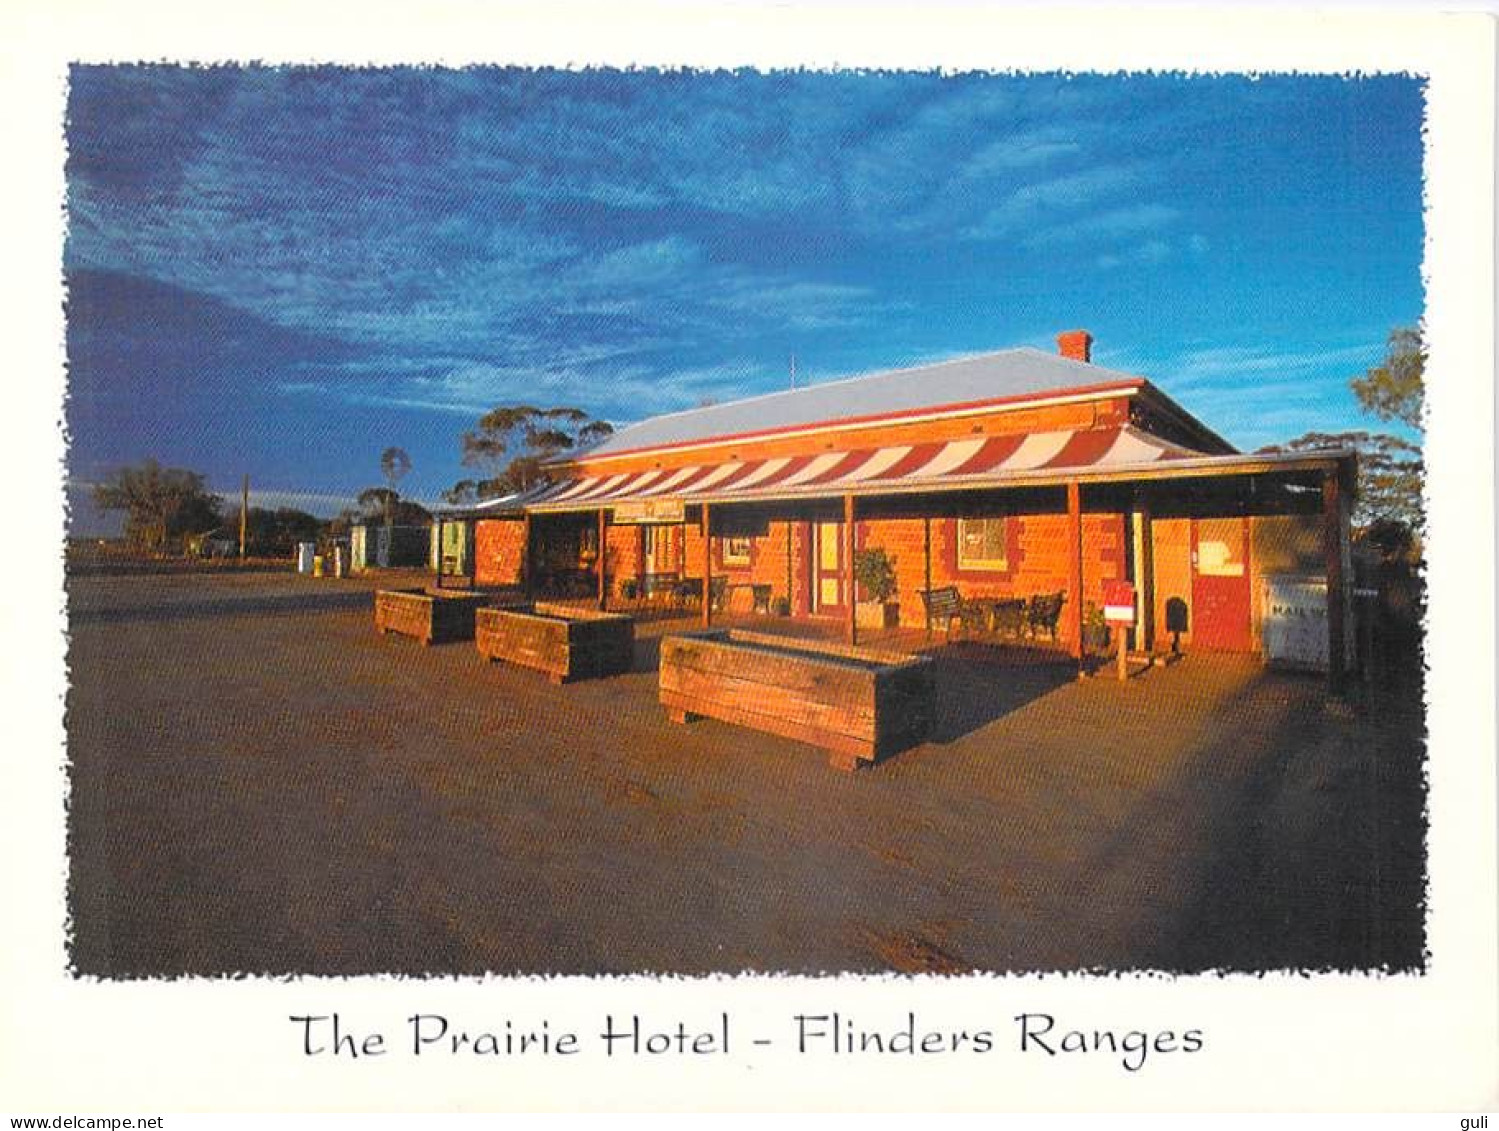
{"x": 874, "y": 570}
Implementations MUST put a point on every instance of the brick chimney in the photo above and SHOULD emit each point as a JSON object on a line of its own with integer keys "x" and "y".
{"x": 1076, "y": 344}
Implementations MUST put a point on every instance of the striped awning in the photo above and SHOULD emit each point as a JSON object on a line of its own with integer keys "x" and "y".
{"x": 972, "y": 461}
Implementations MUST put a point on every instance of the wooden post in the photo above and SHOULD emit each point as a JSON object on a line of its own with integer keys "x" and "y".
{"x": 244, "y": 514}
{"x": 525, "y": 554}
{"x": 471, "y": 547}
{"x": 1332, "y": 552}
{"x": 851, "y": 629}
{"x": 640, "y": 570}
{"x": 790, "y": 582}
{"x": 1123, "y": 640}
{"x": 1075, "y": 567}
{"x": 602, "y": 559}
{"x": 707, "y": 568}
{"x": 1146, "y": 580}
{"x": 926, "y": 548}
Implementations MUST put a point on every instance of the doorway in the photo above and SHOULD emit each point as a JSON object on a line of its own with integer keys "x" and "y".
{"x": 829, "y": 583}
{"x": 1220, "y": 585}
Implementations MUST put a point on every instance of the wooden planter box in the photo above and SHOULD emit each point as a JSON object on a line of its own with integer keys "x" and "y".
{"x": 877, "y": 614}
{"x": 858, "y": 703}
{"x": 430, "y": 616}
{"x": 564, "y": 642}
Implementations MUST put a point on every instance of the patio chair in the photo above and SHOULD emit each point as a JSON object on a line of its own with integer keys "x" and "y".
{"x": 718, "y": 593}
{"x": 943, "y": 606}
{"x": 1009, "y": 616}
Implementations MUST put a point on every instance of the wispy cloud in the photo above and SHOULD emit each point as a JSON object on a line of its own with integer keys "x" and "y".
{"x": 418, "y": 245}
{"x": 1212, "y": 365}
{"x": 1047, "y": 204}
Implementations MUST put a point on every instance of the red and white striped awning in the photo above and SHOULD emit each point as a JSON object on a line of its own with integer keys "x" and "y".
{"x": 975, "y": 461}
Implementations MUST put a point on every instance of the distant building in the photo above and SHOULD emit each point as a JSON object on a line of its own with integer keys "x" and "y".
{"x": 373, "y": 545}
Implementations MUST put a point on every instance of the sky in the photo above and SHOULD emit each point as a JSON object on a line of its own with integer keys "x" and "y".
{"x": 281, "y": 272}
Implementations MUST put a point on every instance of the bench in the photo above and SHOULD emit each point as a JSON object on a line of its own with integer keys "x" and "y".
{"x": 943, "y": 606}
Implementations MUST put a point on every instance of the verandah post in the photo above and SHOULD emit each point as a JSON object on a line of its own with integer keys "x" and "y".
{"x": 525, "y": 554}
{"x": 1332, "y": 551}
{"x": 603, "y": 558}
{"x": 707, "y": 568}
{"x": 790, "y": 582}
{"x": 1147, "y": 579}
{"x": 1075, "y": 567}
{"x": 926, "y": 547}
{"x": 440, "y": 525}
{"x": 471, "y": 545}
{"x": 850, "y": 625}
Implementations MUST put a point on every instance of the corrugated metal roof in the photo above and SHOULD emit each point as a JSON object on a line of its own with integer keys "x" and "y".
{"x": 1007, "y": 374}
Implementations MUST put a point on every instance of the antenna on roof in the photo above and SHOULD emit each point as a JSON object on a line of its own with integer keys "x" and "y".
{"x": 793, "y": 371}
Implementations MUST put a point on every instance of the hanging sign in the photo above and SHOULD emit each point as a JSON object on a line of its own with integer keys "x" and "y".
{"x": 649, "y": 511}
{"x": 1119, "y": 602}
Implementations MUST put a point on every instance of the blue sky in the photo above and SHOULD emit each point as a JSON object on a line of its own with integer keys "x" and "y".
{"x": 283, "y": 271}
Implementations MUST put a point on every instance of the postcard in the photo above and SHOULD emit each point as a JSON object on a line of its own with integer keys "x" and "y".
{"x": 753, "y": 558}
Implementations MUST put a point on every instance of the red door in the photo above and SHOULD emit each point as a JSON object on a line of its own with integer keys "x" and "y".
{"x": 1220, "y": 584}
{"x": 828, "y": 583}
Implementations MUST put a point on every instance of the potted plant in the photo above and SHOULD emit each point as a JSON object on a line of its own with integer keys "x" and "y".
{"x": 874, "y": 571}
{"x": 1095, "y": 629}
{"x": 781, "y": 606}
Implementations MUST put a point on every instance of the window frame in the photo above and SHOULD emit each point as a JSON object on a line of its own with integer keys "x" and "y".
{"x": 992, "y": 565}
{"x": 727, "y": 555}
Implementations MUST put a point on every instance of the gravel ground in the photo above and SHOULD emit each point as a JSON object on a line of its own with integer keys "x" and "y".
{"x": 261, "y": 784}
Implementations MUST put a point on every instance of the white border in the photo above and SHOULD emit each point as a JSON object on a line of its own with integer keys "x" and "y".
{"x": 1284, "y": 1042}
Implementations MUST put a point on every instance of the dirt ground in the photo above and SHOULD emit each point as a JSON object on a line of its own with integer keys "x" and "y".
{"x": 261, "y": 784}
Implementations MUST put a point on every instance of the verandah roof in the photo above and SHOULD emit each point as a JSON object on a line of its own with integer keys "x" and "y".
{"x": 967, "y": 463}
{"x": 904, "y": 465}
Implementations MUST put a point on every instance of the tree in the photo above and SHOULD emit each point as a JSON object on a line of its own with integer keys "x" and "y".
{"x": 1396, "y": 389}
{"x": 394, "y": 463}
{"x": 1390, "y": 469}
{"x": 513, "y": 444}
{"x": 377, "y": 501}
{"x": 276, "y": 532}
{"x": 161, "y": 504}
{"x": 1389, "y": 476}
{"x": 464, "y": 493}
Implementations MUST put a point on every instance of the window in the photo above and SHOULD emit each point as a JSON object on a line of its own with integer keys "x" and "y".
{"x": 983, "y": 543}
{"x": 736, "y": 551}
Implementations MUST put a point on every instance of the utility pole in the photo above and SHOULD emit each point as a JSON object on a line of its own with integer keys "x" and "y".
{"x": 793, "y": 371}
{"x": 244, "y": 514}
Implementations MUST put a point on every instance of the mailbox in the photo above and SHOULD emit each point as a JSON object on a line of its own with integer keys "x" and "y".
{"x": 1119, "y": 602}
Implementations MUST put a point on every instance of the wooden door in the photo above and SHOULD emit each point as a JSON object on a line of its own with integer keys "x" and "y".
{"x": 828, "y": 587}
{"x": 1220, "y": 584}
{"x": 658, "y": 556}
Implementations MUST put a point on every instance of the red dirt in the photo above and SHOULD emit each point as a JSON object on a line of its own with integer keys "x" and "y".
{"x": 262, "y": 784}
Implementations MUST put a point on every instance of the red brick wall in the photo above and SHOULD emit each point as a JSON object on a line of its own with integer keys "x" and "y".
{"x": 623, "y": 556}
{"x": 1037, "y": 559}
{"x": 498, "y": 548}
